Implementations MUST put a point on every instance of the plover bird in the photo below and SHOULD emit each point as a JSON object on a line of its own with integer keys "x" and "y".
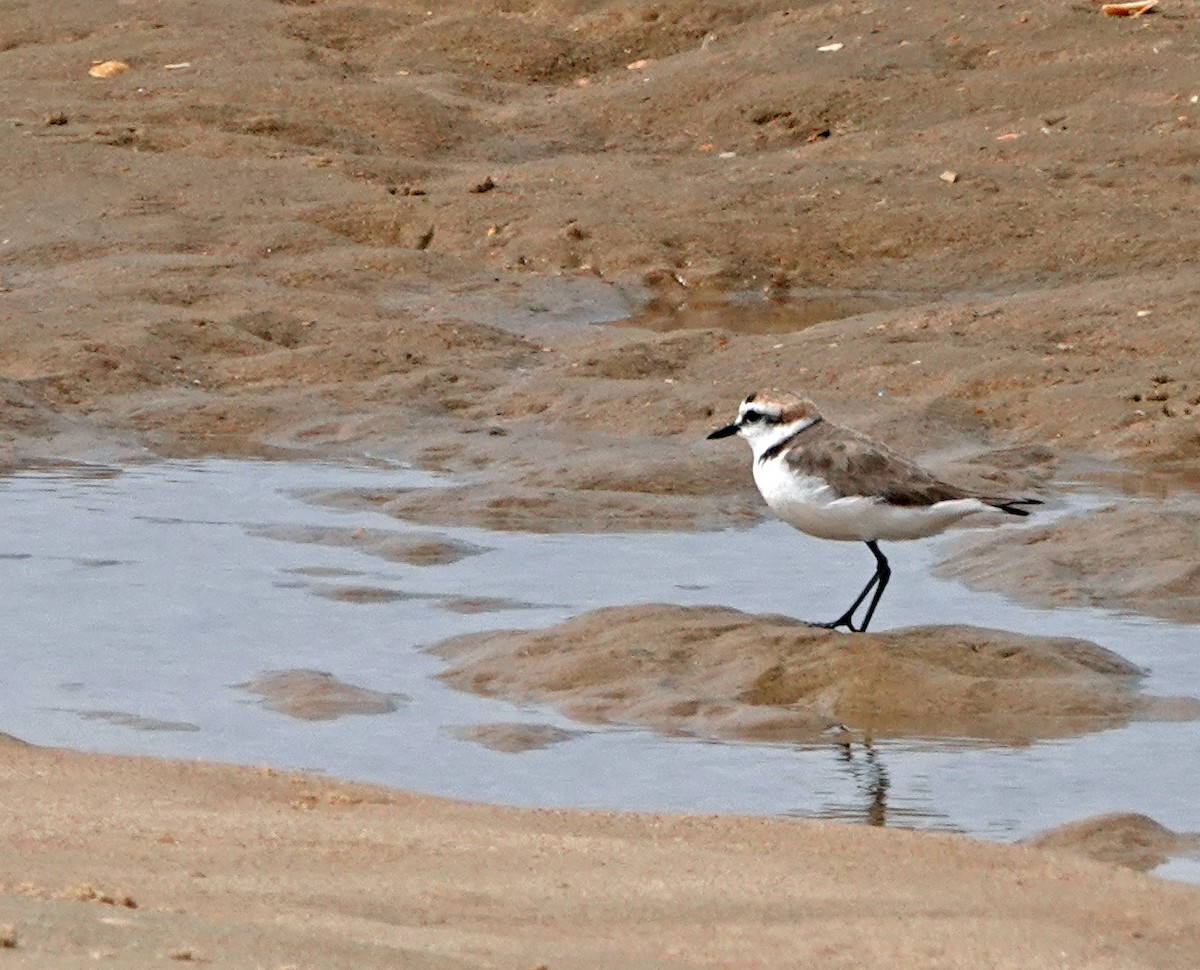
{"x": 834, "y": 483}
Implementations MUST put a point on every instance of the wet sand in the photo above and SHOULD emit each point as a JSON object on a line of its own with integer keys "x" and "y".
{"x": 1124, "y": 838}
{"x": 721, "y": 673}
{"x": 1130, "y": 556}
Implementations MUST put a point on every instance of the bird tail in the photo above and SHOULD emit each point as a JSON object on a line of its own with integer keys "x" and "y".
{"x": 1013, "y": 506}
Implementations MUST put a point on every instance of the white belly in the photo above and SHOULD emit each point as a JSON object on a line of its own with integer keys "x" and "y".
{"x": 809, "y": 505}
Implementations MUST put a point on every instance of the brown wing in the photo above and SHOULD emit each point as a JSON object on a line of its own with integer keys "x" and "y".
{"x": 853, "y": 464}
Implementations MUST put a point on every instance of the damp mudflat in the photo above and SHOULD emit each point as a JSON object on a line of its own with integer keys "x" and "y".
{"x": 208, "y": 609}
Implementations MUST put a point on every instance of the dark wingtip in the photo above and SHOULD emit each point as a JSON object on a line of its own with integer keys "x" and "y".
{"x": 1013, "y": 505}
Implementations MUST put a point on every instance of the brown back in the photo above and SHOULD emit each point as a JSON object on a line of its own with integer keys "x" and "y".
{"x": 853, "y": 464}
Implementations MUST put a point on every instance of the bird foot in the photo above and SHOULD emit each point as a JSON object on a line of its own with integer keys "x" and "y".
{"x": 844, "y": 621}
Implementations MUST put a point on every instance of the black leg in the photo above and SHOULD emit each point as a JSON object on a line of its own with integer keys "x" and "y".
{"x": 883, "y": 572}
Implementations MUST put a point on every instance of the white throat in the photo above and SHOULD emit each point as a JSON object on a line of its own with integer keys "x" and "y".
{"x": 768, "y": 438}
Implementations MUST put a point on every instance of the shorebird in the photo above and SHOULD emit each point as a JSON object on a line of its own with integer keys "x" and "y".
{"x": 834, "y": 483}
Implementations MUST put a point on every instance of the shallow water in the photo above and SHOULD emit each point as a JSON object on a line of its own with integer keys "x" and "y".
{"x": 136, "y": 601}
{"x": 753, "y": 313}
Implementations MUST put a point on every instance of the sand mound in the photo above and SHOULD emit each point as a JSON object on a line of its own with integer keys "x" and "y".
{"x": 315, "y": 695}
{"x": 415, "y": 550}
{"x": 1123, "y": 838}
{"x": 1131, "y": 557}
{"x": 514, "y": 738}
{"x": 718, "y": 672}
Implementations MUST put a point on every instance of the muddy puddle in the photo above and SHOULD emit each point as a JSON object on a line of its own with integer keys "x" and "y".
{"x": 209, "y": 610}
{"x": 532, "y": 304}
{"x": 752, "y": 313}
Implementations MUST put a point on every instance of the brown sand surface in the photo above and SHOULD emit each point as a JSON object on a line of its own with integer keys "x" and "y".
{"x": 313, "y": 227}
{"x": 139, "y": 863}
{"x": 326, "y": 227}
{"x": 305, "y": 225}
{"x": 718, "y": 672}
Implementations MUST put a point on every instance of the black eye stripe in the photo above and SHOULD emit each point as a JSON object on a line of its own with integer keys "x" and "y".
{"x": 752, "y": 416}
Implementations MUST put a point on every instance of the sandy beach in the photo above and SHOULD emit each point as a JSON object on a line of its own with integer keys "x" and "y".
{"x": 543, "y": 247}
{"x": 137, "y": 863}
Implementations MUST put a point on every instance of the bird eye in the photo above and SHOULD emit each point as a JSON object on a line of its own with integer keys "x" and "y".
{"x": 751, "y": 416}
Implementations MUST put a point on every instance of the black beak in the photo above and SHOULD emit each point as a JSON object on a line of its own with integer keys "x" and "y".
{"x": 724, "y": 432}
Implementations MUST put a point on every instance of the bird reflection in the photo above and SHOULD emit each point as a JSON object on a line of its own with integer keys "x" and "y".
{"x": 871, "y": 776}
{"x": 859, "y": 765}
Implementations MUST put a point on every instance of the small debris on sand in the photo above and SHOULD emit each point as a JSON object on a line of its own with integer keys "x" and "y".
{"x": 106, "y": 69}
{"x": 1134, "y": 9}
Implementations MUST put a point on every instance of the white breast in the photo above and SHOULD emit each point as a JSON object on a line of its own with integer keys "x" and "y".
{"x": 806, "y": 503}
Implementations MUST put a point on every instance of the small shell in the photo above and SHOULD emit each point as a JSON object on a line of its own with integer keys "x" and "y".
{"x": 1134, "y": 9}
{"x": 108, "y": 68}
